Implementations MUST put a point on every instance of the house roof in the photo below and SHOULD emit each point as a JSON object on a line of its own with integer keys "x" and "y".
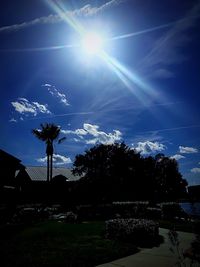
{"x": 9, "y": 162}
{"x": 39, "y": 173}
{"x": 4, "y": 156}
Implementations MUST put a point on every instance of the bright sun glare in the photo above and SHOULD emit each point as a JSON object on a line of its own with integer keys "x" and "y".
{"x": 92, "y": 43}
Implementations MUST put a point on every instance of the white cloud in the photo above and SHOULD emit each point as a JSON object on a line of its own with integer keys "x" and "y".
{"x": 55, "y": 92}
{"x": 195, "y": 170}
{"x": 85, "y": 11}
{"x": 187, "y": 150}
{"x": 23, "y": 106}
{"x": 177, "y": 157}
{"x": 79, "y": 132}
{"x": 88, "y": 10}
{"x": 57, "y": 159}
{"x": 148, "y": 147}
{"x": 12, "y": 120}
{"x": 41, "y": 108}
{"x": 96, "y": 136}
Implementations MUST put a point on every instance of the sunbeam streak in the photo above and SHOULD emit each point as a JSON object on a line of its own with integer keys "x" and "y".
{"x": 60, "y": 9}
{"x": 131, "y": 80}
{"x": 156, "y": 28}
{"x": 40, "y": 49}
{"x": 129, "y": 35}
{"x": 139, "y": 88}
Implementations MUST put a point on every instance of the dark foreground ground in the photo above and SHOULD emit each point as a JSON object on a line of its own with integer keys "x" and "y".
{"x": 54, "y": 243}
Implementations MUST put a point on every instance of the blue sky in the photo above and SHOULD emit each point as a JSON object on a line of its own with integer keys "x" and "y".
{"x": 141, "y": 88}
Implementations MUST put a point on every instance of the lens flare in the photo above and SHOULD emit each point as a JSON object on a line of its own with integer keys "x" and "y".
{"x": 92, "y": 43}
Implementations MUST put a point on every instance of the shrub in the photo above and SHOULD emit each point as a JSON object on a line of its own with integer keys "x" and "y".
{"x": 71, "y": 217}
{"x": 153, "y": 213}
{"x": 172, "y": 210}
{"x": 26, "y": 215}
{"x": 131, "y": 229}
{"x": 130, "y": 209}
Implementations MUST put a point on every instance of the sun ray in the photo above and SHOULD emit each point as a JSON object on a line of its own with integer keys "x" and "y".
{"x": 40, "y": 49}
{"x": 131, "y": 80}
{"x": 132, "y": 34}
{"x": 152, "y": 29}
{"x": 65, "y": 15}
{"x": 141, "y": 89}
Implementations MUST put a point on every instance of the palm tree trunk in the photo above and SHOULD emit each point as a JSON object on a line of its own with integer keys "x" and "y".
{"x": 47, "y": 168}
{"x": 51, "y": 167}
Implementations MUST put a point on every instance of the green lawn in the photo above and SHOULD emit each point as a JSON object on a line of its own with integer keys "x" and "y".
{"x": 59, "y": 244}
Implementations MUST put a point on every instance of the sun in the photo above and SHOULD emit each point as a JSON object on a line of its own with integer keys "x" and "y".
{"x": 92, "y": 43}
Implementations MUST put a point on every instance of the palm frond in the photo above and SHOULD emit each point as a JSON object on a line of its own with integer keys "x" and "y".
{"x": 48, "y": 132}
{"x": 61, "y": 140}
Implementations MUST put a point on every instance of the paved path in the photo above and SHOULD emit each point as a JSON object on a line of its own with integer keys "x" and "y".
{"x": 156, "y": 257}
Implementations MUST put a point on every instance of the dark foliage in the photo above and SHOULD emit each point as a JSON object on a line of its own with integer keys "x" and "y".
{"x": 144, "y": 233}
{"x": 117, "y": 172}
{"x": 48, "y": 133}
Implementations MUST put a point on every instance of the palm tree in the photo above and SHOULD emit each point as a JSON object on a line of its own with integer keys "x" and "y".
{"x": 48, "y": 133}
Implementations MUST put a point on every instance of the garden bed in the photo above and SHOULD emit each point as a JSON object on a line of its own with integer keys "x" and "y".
{"x": 141, "y": 232}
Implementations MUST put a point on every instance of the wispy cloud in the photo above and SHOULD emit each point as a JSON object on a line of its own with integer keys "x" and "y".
{"x": 26, "y": 107}
{"x": 57, "y": 159}
{"x": 167, "y": 50}
{"x": 195, "y": 170}
{"x": 79, "y": 132}
{"x": 90, "y": 134}
{"x": 163, "y": 73}
{"x": 177, "y": 157}
{"x": 174, "y": 129}
{"x": 56, "y": 93}
{"x": 149, "y": 147}
{"x": 85, "y": 11}
{"x": 187, "y": 150}
{"x": 12, "y": 120}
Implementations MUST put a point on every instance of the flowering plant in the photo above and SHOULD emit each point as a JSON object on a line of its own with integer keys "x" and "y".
{"x": 131, "y": 229}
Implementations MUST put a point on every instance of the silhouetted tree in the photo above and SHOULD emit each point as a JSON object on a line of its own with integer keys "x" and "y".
{"x": 108, "y": 168}
{"x": 48, "y": 133}
{"x": 169, "y": 183}
{"x": 117, "y": 172}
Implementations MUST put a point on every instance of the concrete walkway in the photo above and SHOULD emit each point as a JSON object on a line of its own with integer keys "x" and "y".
{"x": 158, "y": 256}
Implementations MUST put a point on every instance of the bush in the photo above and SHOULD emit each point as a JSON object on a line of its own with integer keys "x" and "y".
{"x": 108, "y": 211}
{"x": 130, "y": 209}
{"x": 172, "y": 210}
{"x": 71, "y": 217}
{"x": 26, "y": 215}
{"x": 153, "y": 213}
{"x": 131, "y": 229}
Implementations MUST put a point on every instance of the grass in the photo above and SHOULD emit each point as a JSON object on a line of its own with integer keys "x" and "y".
{"x": 54, "y": 243}
{"x": 59, "y": 244}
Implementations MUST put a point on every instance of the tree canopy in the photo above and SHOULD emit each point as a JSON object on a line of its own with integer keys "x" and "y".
{"x": 117, "y": 172}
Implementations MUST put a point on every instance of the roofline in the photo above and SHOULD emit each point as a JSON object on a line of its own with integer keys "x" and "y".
{"x": 9, "y": 155}
{"x": 44, "y": 166}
